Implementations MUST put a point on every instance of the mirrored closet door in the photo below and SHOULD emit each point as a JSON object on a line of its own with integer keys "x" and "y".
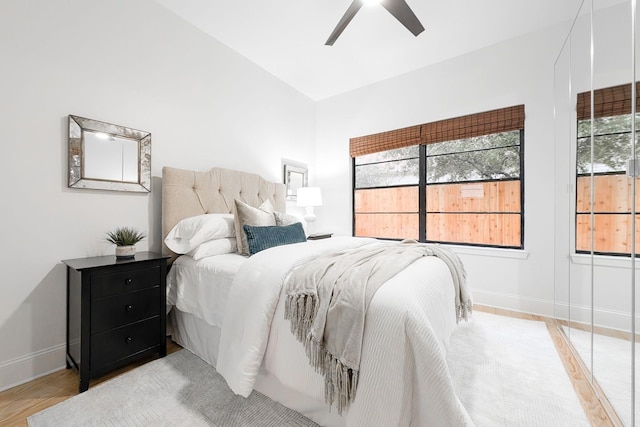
{"x": 596, "y": 225}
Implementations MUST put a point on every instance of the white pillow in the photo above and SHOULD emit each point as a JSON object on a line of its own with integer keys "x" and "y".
{"x": 245, "y": 214}
{"x": 191, "y": 232}
{"x": 285, "y": 219}
{"x": 227, "y": 245}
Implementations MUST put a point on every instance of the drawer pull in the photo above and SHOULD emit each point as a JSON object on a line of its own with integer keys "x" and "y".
{"x": 128, "y": 281}
{"x": 129, "y": 307}
{"x": 128, "y": 340}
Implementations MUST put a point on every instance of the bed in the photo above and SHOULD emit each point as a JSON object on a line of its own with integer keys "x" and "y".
{"x": 229, "y": 310}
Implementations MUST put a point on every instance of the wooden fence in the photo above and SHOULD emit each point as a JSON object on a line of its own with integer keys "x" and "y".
{"x": 489, "y": 213}
{"x": 482, "y": 213}
{"x": 612, "y": 214}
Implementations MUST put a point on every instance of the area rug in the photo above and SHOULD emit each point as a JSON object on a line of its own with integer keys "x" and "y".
{"x": 507, "y": 372}
{"x": 178, "y": 390}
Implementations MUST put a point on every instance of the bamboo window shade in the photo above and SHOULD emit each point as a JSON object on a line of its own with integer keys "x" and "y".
{"x": 384, "y": 141}
{"x": 486, "y": 123}
{"x": 607, "y": 102}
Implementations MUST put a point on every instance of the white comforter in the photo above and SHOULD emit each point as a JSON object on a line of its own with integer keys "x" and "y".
{"x": 404, "y": 378}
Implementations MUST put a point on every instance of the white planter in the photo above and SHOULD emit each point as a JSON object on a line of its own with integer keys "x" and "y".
{"x": 125, "y": 251}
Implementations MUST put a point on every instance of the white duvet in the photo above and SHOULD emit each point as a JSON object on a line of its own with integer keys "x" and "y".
{"x": 404, "y": 378}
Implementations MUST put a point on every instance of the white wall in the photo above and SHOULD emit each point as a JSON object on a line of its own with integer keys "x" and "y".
{"x": 132, "y": 63}
{"x": 519, "y": 71}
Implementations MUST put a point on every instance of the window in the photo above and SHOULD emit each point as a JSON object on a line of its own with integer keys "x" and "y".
{"x": 474, "y": 190}
{"x": 386, "y": 195}
{"x": 612, "y": 195}
{"x": 464, "y": 190}
{"x": 606, "y": 174}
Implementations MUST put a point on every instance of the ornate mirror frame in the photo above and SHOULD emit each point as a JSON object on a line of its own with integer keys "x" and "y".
{"x": 80, "y": 128}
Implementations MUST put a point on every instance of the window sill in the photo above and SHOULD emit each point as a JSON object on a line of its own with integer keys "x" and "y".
{"x": 490, "y": 252}
{"x": 603, "y": 261}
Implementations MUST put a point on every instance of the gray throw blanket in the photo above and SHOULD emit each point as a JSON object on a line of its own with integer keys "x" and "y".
{"x": 327, "y": 299}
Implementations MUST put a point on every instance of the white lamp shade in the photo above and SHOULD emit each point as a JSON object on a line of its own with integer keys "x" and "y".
{"x": 309, "y": 196}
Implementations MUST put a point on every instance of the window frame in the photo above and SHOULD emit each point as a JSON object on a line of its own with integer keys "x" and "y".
{"x": 422, "y": 195}
{"x": 607, "y": 102}
{"x": 592, "y": 175}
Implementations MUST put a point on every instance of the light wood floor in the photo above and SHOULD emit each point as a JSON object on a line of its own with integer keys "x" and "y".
{"x": 19, "y": 402}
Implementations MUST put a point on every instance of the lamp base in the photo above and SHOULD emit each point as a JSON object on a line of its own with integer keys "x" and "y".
{"x": 309, "y": 215}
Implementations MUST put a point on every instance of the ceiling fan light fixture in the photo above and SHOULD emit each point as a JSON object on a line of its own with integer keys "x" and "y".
{"x": 398, "y": 8}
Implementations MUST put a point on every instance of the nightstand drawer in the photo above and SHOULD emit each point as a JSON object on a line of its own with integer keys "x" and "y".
{"x": 103, "y": 285}
{"x": 116, "y": 344}
{"x": 118, "y": 310}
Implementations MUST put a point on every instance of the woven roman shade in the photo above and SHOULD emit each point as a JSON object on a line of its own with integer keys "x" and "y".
{"x": 384, "y": 141}
{"x": 607, "y": 102}
{"x": 495, "y": 121}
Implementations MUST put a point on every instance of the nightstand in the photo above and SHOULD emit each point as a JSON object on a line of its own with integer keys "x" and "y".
{"x": 318, "y": 236}
{"x": 116, "y": 312}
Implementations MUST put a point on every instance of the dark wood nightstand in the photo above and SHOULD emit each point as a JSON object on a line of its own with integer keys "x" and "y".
{"x": 116, "y": 312}
{"x": 318, "y": 236}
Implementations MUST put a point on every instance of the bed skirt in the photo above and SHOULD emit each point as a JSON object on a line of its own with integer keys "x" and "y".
{"x": 202, "y": 339}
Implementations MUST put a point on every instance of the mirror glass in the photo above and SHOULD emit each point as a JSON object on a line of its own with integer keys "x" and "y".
{"x": 610, "y": 140}
{"x": 564, "y": 178}
{"x": 596, "y": 276}
{"x": 108, "y": 157}
{"x": 295, "y": 176}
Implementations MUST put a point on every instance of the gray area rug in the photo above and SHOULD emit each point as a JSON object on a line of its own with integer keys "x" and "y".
{"x": 178, "y": 390}
{"x": 506, "y": 372}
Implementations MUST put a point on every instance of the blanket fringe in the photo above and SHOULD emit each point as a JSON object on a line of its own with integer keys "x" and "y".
{"x": 301, "y": 310}
{"x": 340, "y": 381}
{"x": 464, "y": 310}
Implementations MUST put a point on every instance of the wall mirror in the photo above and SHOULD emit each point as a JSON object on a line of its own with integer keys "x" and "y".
{"x": 295, "y": 176}
{"x": 596, "y": 264}
{"x": 105, "y": 156}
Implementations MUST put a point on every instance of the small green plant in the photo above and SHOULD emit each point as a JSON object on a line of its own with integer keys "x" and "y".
{"x": 125, "y": 236}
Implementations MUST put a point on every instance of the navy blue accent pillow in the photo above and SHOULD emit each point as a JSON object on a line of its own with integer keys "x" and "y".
{"x": 261, "y": 238}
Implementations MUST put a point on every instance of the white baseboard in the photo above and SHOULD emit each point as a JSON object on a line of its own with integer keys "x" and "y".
{"x": 602, "y": 317}
{"x": 611, "y": 319}
{"x": 31, "y": 366}
{"x": 514, "y": 302}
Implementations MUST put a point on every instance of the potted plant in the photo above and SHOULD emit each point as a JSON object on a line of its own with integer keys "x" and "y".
{"x": 125, "y": 239}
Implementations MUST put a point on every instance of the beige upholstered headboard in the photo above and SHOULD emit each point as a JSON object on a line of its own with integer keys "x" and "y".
{"x": 188, "y": 193}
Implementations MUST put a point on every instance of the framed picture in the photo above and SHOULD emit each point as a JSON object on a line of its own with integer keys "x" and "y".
{"x": 295, "y": 176}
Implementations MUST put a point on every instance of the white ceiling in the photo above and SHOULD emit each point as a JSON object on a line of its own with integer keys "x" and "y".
{"x": 286, "y": 37}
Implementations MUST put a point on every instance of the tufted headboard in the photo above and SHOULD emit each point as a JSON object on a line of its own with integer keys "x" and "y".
{"x": 188, "y": 193}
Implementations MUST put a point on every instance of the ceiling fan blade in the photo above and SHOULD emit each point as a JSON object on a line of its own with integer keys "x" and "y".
{"x": 344, "y": 21}
{"x": 403, "y": 13}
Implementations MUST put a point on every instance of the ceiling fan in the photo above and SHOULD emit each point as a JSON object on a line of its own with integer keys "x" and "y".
{"x": 398, "y": 8}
